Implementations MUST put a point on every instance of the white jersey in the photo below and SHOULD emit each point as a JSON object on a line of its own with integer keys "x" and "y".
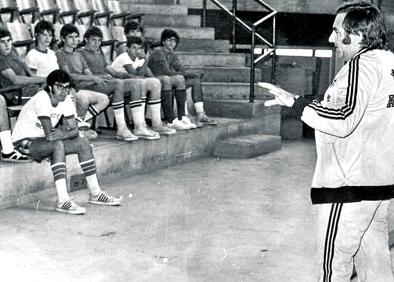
{"x": 354, "y": 129}
{"x": 43, "y": 62}
{"x": 124, "y": 59}
{"x": 29, "y": 126}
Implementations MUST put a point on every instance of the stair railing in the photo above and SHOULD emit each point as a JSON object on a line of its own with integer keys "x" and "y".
{"x": 270, "y": 51}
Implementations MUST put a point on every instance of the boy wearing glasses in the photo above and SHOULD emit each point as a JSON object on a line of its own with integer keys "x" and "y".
{"x": 46, "y": 128}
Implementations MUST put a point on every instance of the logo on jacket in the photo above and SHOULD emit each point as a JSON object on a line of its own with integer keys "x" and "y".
{"x": 390, "y": 104}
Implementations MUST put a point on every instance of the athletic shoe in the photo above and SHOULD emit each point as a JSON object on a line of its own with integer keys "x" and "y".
{"x": 164, "y": 130}
{"x": 203, "y": 118}
{"x": 126, "y": 135}
{"x": 187, "y": 121}
{"x": 145, "y": 133}
{"x": 104, "y": 199}
{"x": 194, "y": 121}
{"x": 90, "y": 134}
{"x": 15, "y": 157}
{"x": 82, "y": 125}
{"x": 178, "y": 125}
{"x": 70, "y": 207}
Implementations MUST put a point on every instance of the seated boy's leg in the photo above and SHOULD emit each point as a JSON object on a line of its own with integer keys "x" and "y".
{"x": 90, "y": 103}
{"x": 167, "y": 98}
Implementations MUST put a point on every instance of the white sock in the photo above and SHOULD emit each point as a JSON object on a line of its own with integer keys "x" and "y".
{"x": 6, "y": 142}
{"x": 186, "y": 109}
{"x": 155, "y": 110}
{"x": 88, "y": 116}
{"x": 93, "y": 184}
{"x": 120, "y": 118}
{"x": 199, "y": 106}
{"x": 138, "y": 114}
{"x": 61, "y": 190}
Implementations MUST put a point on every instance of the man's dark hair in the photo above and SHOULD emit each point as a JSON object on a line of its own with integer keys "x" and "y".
{"x": 57, "y": 76}
{"x": 131, "y": 25}
{"x": 364, "y": 18}
{"x": 4, "y": 33}
{"x": 133, "y": 40}
{"x": 93, "y": 31}
{"x": 168, "y": 33}
{"x": 68, "y": 29}
{"x": 42, "y": 26}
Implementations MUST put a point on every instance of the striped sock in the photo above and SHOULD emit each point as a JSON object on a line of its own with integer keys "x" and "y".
{"x": 92, "y": 112}
{"x": 155, "y": 109}
{"x": 59, "y": 175}
{"x": 89, "y": 169}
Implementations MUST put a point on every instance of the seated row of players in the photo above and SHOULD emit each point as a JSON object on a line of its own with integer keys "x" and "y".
{"x": 92, "y": 76}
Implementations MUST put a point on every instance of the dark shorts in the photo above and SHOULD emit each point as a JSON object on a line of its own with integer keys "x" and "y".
{"x": 28, "y": 91}
{"x": 26, "y": 146}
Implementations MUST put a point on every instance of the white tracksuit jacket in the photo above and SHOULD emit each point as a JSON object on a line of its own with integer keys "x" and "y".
{"x": 354, "y": 129}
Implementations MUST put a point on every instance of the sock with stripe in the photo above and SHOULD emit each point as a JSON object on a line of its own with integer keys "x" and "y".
{"x": 59, "y": 175}
{"x": 155, "y": 109}
{"x": 138, "y": 114}
{"x": 119, "y": 114}
{"x": 92, "y": 112}
{"x": 89, "y": 169}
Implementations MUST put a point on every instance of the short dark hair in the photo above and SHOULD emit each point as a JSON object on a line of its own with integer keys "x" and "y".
{"x": 4, "y": 33}
{"x": 42, "y": 26}
{"x": 68, "y": 29}
{"x": 168, "y": 33}
{"x": 365, "y": 18}
{"x": 131, "y": 25}
{"x": 93, "y": 31}
{"x": 134, "y": 40}
{"x": 57, "y": 76}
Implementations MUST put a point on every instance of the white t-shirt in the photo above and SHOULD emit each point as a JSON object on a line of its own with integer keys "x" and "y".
{"x": 43, "y": 62}
{"x": 123, "y": 60}
{"x": 29, "y": 126}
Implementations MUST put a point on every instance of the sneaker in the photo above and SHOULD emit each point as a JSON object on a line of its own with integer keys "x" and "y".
{"x": 203, "y": 118}
{"x": 194, "y": 121}
{"x": 70, "y": 207}
{"x": 153, "y": 131}
{"x": 104, "y": 199}
{"x": 90, "y": 134}
{"x": 15, "y": 157}
{"x": 164, "y": 130}
{"x": 187, "y": 121}
{"x": 178, "y": 125}
{"x": 82, "y": 125}
{"x": 126, "y": 135}
{"x": 145, "y": 133}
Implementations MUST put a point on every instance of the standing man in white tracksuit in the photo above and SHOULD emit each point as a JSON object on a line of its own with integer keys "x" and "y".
{"x": 354, "y": 129}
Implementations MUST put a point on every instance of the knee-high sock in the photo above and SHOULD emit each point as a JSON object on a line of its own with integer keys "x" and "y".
{"x": 199, "y": 106}
{"x": 119, "y": 114}
{"x": 6, "y": 141}
{"x": 92, "y": 112}
{"x": 89, "y": 169}
{"x": 155, "y": 109}
{"x": 59, "y": 175}
{"x": 166, "y": 102}
{"x": 180, "y": 96}
{"x": 138, "y": 114}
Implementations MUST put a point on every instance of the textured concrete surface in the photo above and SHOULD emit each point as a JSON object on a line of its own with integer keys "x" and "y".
{"x": 208, "y": 220}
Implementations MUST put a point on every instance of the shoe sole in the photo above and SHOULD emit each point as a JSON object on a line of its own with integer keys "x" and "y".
{"x": 70, "y": 212}
{"x": 16, "y": 161}
{"x": 104, "y": 204}
{"x": 148, "y": 137}
{"x": 126, "y": 139}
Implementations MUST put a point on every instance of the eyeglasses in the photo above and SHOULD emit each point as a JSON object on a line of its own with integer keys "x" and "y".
{"x": 63, "y": 88}
{"x": 170, "y": 40}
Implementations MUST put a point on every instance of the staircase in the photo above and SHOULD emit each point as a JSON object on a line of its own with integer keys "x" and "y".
{"x": 226, "y": 75}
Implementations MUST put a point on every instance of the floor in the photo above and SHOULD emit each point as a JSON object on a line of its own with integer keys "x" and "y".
{"x": 208, "y": 220}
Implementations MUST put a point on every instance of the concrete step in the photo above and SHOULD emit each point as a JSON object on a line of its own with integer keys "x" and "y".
{"x": 170, "y": 10}
{"x": 116, "y": 159}
{"x": 234, "y": 91}
{"x": 203, "y": 45}
{"x": 161, "y": 2}
{"x": 165, "y": 20}
{"x": 243, "y": 109}
{"x": 211, "y": 60}
{"x": 249, "y": 146}
{"x": 226, "y": 74}
{"x": 183, "y": 32}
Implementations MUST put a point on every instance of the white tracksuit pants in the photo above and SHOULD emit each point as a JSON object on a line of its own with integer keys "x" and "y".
{"x": 353, "y": 233}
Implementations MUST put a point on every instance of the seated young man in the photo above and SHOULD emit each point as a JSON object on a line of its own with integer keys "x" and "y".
{"x": 39, "y": 134}
{"x": 134, "y": 62}
{"x": 75, "y": 65}
{"x": 164, "y": 62}
{"x": 132, "y": 83}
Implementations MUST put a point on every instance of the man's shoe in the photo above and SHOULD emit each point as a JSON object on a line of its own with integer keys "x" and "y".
{"x": 164, "y": 130}
{"x": 104, "y": 199}
{"x": 70, "y": 207}
{"x": 187, "y": 121}
{"x": 145, "y": 133}
{"x": 178, "y": 125}
{"x": 203, "y": 118}
{"x": 90, "y": 134}
{"x": 15, "y": 157}
{"x": 126, "y": 135}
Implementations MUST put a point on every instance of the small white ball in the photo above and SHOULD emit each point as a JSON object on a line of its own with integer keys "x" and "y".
{"x": 165, "y": 260}
{"x": 130, "y": 195}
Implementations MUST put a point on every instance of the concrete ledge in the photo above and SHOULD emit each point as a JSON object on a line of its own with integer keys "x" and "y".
{"x": 116, "y": 159}
{"x": 203, "y": 45}
{"x": 227, "y": 74}
{"x": 233, "y": 90}
{"x": 212, "y": 60}
{"x": 179, "y": 20}
{"x": 155, "y": 9}
{"x": 249, "y": 146}
{"x": 183, "y": 32}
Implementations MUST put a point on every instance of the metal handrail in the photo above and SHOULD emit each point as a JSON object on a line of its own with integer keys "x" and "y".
{"x": 271, "y": 45}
